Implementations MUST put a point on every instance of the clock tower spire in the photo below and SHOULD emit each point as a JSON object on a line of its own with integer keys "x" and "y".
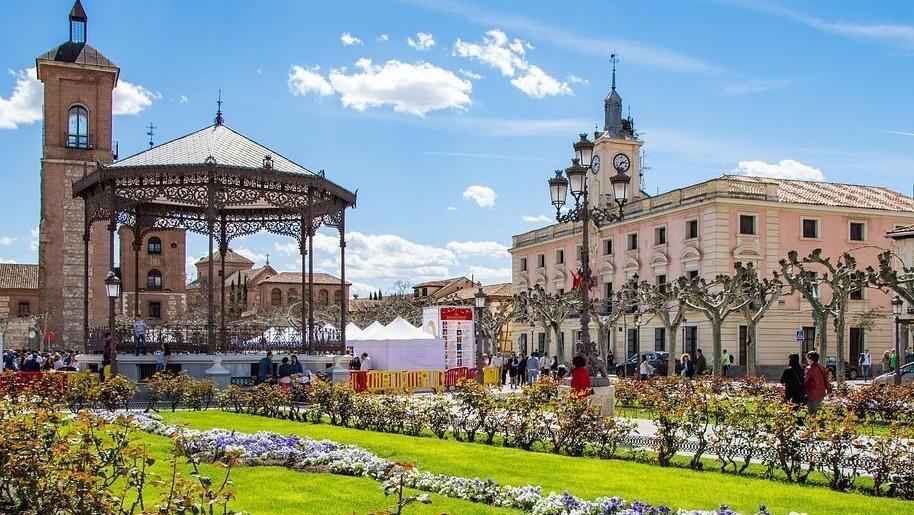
{"x": 612, "y": 107}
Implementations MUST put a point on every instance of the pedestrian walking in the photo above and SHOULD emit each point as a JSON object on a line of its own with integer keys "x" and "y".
{"x": 725, "y": 362}
{"x": 886, "y": 362}
{"x": 533, "y": 365}
{"x": 688, "y": 368}
{"x": 792, "y": 379}
{"x": 816, "y": 383}
{"x": 645, "y": 369}
{"x": 701, "y": 363}
{"x": 865, "y": 362}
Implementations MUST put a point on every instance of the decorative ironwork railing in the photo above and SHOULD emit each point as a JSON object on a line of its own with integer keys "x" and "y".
{"x": 194, "y": 339}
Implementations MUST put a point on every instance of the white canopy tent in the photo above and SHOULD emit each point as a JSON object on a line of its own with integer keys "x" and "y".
{"x": 399, "y": 346}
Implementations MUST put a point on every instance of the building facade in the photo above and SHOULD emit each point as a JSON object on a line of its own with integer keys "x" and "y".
{"x": 19, "y": 316}
{"x": 700, "y": 231}
{"x": 153, "y": 271}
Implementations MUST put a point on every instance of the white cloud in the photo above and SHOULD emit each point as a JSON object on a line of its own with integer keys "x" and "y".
{"x": 132, "y": 98}
{"x": 23, "y": 107}
{"x": 489, "y": 275}
{"x": 6, "y": 241}
{"x": 897, "y": 133}
{"x": 388, "y": 256}
{"x": 484, "y": 196}
{"x": 537, "y": 84}
{"x": 536, "y": 219}
{"x": 252, "y": 255}
{"x": 478, "y": 248}
{"x": 305, "y": 80}
{"x": 754, "y": 86}
{"x": 182, "y": 99}
{"x": 33, "y": 241}
{"x": 7, "y": 260}
{"x": 349, "y": 40}
{"x": 509, "y": 57}
{"x": 409, "y": 88}
{"x": 383, "y": 37}
{"x": 423, "y": 41}
{"x": 574, "y": 79}
{"x": 451, "y": 208}
{"x": 786, "y": 169}
{"x": 470, "y": 74}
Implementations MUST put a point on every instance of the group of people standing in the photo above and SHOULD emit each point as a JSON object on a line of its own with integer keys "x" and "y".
{"x": 519, "y": 370}
{"x": 805, "y": 387}
{"x": 282, "y": 375}
{"x": 34, "y": 361}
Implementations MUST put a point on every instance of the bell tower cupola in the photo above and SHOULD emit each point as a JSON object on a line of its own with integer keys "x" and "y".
{"x": 78, "y": 22}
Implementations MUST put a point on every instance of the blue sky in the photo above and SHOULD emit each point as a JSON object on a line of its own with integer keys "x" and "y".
{"x": 489, "y": 95}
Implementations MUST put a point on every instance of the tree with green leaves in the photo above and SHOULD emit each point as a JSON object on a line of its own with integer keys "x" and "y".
{"x": 761, "y": 293}
{"x": 841, "y": 277}
{"x": 716, "y": 300}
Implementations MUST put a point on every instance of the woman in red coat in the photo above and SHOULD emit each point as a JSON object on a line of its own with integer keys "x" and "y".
{"x": 580, "y": 377}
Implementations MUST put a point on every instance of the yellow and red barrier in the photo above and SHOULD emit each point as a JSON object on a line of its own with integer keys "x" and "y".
{"x": 378, "y": 381}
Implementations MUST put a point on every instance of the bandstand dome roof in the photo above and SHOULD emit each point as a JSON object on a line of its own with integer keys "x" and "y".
{"x": 226, "y": 146}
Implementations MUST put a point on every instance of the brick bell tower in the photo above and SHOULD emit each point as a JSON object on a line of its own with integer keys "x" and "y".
{"x": 79, "y": 84}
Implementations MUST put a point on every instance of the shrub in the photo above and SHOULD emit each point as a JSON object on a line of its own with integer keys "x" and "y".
{"x": 115, "y": 392}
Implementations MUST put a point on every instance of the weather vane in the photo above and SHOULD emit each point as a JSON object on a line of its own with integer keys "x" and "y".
{"x": 219, "y": 108}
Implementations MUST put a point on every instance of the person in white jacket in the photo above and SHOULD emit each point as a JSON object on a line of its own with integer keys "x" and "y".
{"x": 646, "y": 370}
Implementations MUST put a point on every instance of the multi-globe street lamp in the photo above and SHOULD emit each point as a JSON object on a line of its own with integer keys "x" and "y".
{"x": 576, "y": 178}
{"x": 480, "y": 303}
{"x": 897, "y": 305}
{"x": 113, "y": 289}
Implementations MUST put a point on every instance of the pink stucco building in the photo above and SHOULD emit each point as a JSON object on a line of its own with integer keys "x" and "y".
{"x": 701, "y": 230}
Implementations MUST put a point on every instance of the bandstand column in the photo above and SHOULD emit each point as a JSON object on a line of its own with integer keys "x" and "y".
{"x": 343, "y": 296}
{"x": 303, "y": 248}
{"x": 137, "y": 239}
{"x": 112, "y": 227}
{"x": 223, "y": 248}
{"x": 210, "y": 222}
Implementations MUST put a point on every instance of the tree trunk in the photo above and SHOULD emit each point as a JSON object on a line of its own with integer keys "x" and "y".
{"x": 671, "y": 366}
{"x": 751, "y": 334}
{"x": 822, "y": 331}
{"x": 559, "y": 344}
{"x": 716, "y": 324}
{"x": 839, "y": 354}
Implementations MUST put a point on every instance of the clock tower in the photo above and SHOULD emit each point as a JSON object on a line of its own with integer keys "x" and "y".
{"x": 79, "y": 84}
{"x": 617, "y": 147}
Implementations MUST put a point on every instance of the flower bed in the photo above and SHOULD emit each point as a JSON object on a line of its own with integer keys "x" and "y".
{"x": 298, "y": 453}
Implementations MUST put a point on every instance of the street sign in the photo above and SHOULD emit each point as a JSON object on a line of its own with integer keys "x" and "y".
{"x": 800, "y": 335}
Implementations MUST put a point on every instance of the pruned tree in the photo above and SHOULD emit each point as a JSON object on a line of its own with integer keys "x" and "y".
{"x": 388, "y": 308}
{"x": 893, "y": 275}
{"x": 716, "y": 300}
{"x": 842, "y": 277}
{"x": 550, "y": 310}
{"x": 761, "y": 293}
{"x": 494, "y": 323}
{"x": 664, "y": 302}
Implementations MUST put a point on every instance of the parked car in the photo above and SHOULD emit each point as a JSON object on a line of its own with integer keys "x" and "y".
{"x": 659, "y": 360}
{"x": 907, "y": 375}
{"x": 850, "y": 372}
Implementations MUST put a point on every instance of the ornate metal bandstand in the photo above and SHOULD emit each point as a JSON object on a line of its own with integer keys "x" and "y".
{"x": 218, "y": 183}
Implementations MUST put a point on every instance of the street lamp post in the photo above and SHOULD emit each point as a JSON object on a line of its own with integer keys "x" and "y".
{"x": 480, "y": 300}
{"x": 897, "y": 305}
{"x": 576, "y": 177}
{"x": 113, "y": 289}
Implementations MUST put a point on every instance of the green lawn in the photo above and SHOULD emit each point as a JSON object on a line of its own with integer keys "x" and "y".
{"x": 277, "y": 490}
{"x": 586, "y": 477}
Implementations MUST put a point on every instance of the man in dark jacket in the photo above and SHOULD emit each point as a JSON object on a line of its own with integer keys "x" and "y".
{"x": 701, "y": 363}
{"x": 266, "y": 367}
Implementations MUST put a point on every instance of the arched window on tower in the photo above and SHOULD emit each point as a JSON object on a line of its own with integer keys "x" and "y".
{"x": 323, "y": 297}
{"x": 78, "y": 133}
{"x": 154, "y": 245}
{"x": 292, "y": 295}
{"x": 154, "y": 280}
{"x": 276, "y": 297}
{"x": 337, "y": 296}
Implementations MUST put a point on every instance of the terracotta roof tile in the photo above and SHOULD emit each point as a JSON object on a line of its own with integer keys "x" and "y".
{"x": 833, "y": 194}
{"x": 296, "y": 278}
{"x": 230, "y": 257}
{"x": 16, "y": 276}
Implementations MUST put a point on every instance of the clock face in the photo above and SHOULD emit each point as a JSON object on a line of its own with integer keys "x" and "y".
{"x": 595, "y": 164}
{"x": 621, "y": 163}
